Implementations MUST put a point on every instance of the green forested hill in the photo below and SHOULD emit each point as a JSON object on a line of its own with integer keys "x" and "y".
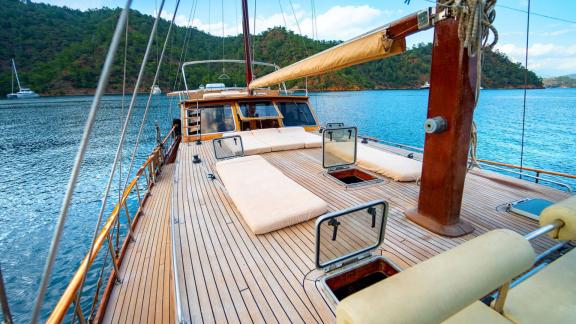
{"x": 60, "y": 51}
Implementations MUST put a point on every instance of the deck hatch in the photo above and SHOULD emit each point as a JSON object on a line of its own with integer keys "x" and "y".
{"x": 339, "y": 147}
{"x": 529, "y": 207}
{"x": 334, "y": 125}
{"x": 344, "y": 235}
{"x": 228, "y": 147}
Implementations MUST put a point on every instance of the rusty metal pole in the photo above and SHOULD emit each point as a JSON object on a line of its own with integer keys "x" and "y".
{"x": 452, "y": 100}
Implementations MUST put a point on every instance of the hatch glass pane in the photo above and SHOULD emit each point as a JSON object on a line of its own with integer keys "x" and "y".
{"x": 344, "y": 234}
{"x": 216, "y": 119}
{"x": 296, "y": 114}
{"x": 261, "y": 109}
{"x": 228, "y": 147}
{"x": 339, "y": 147}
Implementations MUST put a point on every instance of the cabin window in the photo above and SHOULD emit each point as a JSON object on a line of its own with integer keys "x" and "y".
{"x": 217, "y": 119}
{"x": 296, "y": 114}
{"x": 258, "y": 110}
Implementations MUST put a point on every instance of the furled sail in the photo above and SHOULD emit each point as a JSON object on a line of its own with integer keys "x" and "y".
{"x": 368, "y": 47}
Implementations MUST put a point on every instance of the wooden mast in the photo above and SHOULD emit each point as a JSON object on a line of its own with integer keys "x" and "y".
{"x": 452, "y": 98}
{"x": 247, "y": 48}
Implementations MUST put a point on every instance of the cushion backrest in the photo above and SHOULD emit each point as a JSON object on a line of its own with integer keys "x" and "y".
{"x": 441, "y": 286}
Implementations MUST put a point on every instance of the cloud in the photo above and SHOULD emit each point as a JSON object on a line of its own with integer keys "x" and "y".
{"x": 337, "y": 23}
{"x": 549, "y": 57}
{"x": 345, "y": 22}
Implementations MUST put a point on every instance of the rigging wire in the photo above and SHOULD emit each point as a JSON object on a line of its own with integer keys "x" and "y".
{"x": 102, "y": 83}
{"x": 121, "y": 144}
{"x": 122, "y": 103}
{"x": 299, "y": 29}
{"x": 519, "y": 10}
{"x": 253, "y": 36}
{"x": 236, "y": 10}
{"x": 183, "y": 52}
{"x": 314, "y": 21}
{"x": 525, "y": 88}
{"x": 223, "y": 75}
{"x": 282, "y": 12}
{"x": 144, "y": 117}
{"x": 538, "y": 14}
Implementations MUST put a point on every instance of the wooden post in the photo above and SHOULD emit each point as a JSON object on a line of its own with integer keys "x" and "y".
{"x": 247, "y": 48}
{"x": 452, "y": 97}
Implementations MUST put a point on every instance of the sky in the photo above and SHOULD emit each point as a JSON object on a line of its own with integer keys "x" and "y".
{"x": 552, "y": 42}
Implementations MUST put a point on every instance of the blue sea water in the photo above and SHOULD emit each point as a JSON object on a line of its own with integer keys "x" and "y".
{"x": 39, "y": 139}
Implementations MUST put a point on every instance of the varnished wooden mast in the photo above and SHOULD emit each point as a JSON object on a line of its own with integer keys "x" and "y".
{"x": 452, "y": 97}
{"x": 247, "y": 48}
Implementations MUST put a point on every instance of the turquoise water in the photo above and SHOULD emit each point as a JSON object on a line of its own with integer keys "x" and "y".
{"x": 40, "y": 138}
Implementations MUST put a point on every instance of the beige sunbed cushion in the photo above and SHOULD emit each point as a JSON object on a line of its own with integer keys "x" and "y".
{"x": 547, "y": 297}
{"x": 565, "y": 211}
{"x": 440, "y": 287}
{"x": 388, "y": 164}
{"x": 477, "y": 313}
{"x": 251, "y": 144}
{"x": 310, "y": 140}
{"x": 266, "y": 198}
{"x": 276, "y": 140}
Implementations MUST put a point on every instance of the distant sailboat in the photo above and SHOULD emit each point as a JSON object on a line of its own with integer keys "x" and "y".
{"x": 23, "y": 92}
{"x": 156, "y": 90}
{"x": 425, "y": 85}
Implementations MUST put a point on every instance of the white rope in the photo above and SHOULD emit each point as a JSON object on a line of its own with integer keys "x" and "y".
{"x": 102, "y": 83}
{"x": 121, "y": 144}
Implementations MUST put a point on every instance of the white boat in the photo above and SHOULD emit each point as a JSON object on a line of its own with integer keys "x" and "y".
{"x": 425, "y": 85}
{"x": 23, "y": 92}
{"x": 156, "y": 90}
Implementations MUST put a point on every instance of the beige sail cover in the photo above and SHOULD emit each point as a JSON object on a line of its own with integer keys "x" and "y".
{"x": 369, "y": 47}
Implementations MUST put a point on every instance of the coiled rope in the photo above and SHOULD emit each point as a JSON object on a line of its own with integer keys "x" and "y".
{"x": 475, "y": 18}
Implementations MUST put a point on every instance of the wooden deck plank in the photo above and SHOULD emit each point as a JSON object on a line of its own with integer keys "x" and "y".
{"x": 144, "y": 293}
{"x": 225, "y": 273}
{"x": 274, "y": 273}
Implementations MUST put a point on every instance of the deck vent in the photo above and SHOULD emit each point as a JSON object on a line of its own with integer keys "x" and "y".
{"x": 344, "y": 241}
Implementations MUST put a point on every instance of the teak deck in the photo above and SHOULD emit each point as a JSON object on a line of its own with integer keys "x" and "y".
{"x": 146, "y": 292}
{"x": 225, "y": 273}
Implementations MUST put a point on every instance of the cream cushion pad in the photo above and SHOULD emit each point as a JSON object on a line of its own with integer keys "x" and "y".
{"x": 438, "y": 288}
{"x": 388, "y": 164}
{"x": 299, "y": 133}
{"x": 266, "y": 198}
{"x": 251, "y": 144}
{"x": 276, "y": 140}
{"x": 547, "y": 297}
{"x": 565, "y": 211}
{"x": 477, "y": 313}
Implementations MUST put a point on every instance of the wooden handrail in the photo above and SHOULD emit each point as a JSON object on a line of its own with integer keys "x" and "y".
{"x": 167, "y": 137}
{"x": 512, "y": 166}
{"x": 71, "y": 291}
{"x": 507, "y": 165}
